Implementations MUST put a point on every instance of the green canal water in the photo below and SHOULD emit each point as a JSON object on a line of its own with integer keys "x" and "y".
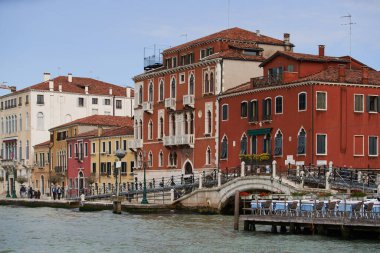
{"x": 60, "y": 230}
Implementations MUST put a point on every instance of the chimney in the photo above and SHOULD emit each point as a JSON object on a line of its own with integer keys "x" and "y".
{"x": 100, "y": 131}
{"x": 51, "y": 85}
{"x": 60, "y": 87}
{"x": 258, "y": 33}
{"x": 365, "y": 75}
{"x": 321, "y": 50}
{"x": 128, "y": 92}
{"x": 70, "y": 77}
{"x": 342, "y": 73}
{"x": 110, "y": 91}
{"x": 286, "y": 38}
{"x": 46, "y": 77}
{"x": 86, "y": 90}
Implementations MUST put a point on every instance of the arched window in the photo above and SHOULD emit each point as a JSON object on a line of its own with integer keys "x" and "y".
{"x": 150, "y": 159}
{"x": 141, "y": 129}
{"x": 20, "y": 122}
{"x": 208, "y": 156}
{"x": 191, "y": 123}
{"x": 20, "y": 149}
{"x": 150, "y": 94}
{"x": 173, "y": 124}
{"x": 209, "y": 122}
{"x": 150, "y": 130}
{"x": 186, "y": 125}
{"x": 207, "y": 84}
{"x": 172, "y": 90}
{"x": 173, "y": 158}
{"x": 191, "y": 85}
{"x": 243, "y": 145}
{"x": 224, "y": 151}
{"x": 161, "y": 128}
{"x": 278, "y": 144}
{"x": 301, "y": 142}
{"x": 40, "y": 121}
{"x": 27, "y": 121}
{"x": 212, "y": 82}
{"x": 267, "y": 144}
{"x": 27, "y": 150}
{"x": 302, "y": 101}
{"x": 161, "y": 89}
{"x": 161, "y": 159}
{"x": 140, "y": 95}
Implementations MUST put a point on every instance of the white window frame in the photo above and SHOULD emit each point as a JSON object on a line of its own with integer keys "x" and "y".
{"x": 151, "y": 84}
{"x": 182, "y": 78}
{"x": 282, "y": 104}
{"x": 170, "y": 87}
{"x": 161, "y": 80}
{"x": 354, "y": 145}
{"x": 227, "y": 112}
{"x": 298, "y": 101}
{"x": 246, "y": 103}
{"x": 363, "y": 98}
{"x": 378, "y": 101}
{"x": 316, "y": 144}
{"x": 160, "y": 159}
{"x": 377, "y": 145}
{"x": 316, "y": 101}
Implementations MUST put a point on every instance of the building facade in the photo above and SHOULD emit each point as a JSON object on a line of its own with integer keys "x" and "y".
{"x": 176, "y": 107}
{"x": 40, "y": 173}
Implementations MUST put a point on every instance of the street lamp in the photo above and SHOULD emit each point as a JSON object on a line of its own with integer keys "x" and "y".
{"x": 117, "y": 201}
{"x": 144, "y": 199}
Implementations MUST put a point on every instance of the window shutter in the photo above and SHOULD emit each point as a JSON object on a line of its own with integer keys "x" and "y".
{"x": 269, "y": 107}
{"x": 378, "y": 103}
{"x": 264, "y": 111}
{"x": 250, "y": 116}
{"x": 368, "y": 103}
{"x": 256, "y": 111}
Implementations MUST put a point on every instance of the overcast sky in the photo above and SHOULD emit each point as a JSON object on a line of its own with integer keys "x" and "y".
{"x": 105, "y": 39}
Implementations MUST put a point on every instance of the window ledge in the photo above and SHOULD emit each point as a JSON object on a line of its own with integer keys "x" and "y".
{"x": 372, "y": 112}
{"x": 322, "y": 154}
{"x": 321, "y": 110}
{"x": 355, "y": 155}
{"x": 301, "y": 154}
{"x": 358, "y": 111}
{"x": 373, "y": 156}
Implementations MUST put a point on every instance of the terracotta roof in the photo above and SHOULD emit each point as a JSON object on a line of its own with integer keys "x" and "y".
{"x": 244, "y": 45}
{"x": 331, "y": 74}
{"x": 236, "y": 55}
{"x": 305, "y": 57}
{"x": 42, "y": 144}
{"x": 86, "y": 134}
{"x": 118, "y": 131}
{"x": 232, "y": 34}
{"x": 239, "y": 88}
{"x": 78, "y": 84}
{"x": 104, "y": 120}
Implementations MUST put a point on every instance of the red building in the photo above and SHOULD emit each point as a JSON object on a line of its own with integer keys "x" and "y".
{"x": 176, "y": 108}
{"x": 306, "y": 109}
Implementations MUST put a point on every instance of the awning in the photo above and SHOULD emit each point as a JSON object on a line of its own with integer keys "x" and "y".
{"x": 261, "y": 131}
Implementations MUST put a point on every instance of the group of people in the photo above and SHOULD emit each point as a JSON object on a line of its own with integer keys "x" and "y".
{"x": 57, "y": 192}
{"x": 30, "y": 193}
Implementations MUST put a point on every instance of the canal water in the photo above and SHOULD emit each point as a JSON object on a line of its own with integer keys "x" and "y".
{"x": 60, "y": 230}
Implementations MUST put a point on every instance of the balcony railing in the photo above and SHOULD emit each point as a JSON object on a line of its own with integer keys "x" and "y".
{"x": 170, "y": 103}
{"x": 188, "y": 100}
{"x": 148, "y": 107}
{"x": 59, "y": 169}
{"x": 264, "y": 81}
{"x": 135, "y": 144}
{"x": 180, "y": 140}
{"x": 267, "y": 117}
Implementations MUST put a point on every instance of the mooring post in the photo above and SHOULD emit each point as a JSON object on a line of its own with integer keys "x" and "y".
{"x": 236, "y": 212}
{"x": 200, "y": 180}
{"x": 274, "y": 163}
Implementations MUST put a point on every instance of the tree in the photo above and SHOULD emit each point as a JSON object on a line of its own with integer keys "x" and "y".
{"x": 21, "y": 180}
{"x": 91, "y": 179}
{"x": 55, "y": 179}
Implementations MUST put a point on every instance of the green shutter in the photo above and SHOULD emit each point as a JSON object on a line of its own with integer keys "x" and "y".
{"x": 368, "y": 103}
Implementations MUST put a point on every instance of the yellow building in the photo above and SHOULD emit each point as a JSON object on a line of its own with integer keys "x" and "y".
{"x": 103, "y": 159}
{"x": 40, "y": 172}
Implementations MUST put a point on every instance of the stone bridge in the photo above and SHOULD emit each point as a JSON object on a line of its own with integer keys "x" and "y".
{"x": 214, "y": 199}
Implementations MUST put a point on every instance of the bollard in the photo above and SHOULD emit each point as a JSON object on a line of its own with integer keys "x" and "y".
{"x": 172, "y": 195}
{"x": 236, "y": 210}
{"x": 200, "y": 180}
{"x": 242, "y": 172}
{"x": 274, "y": 163}
{"x": 219, "y": 179}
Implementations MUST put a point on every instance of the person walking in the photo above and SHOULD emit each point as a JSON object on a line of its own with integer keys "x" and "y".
{"x": 59, "y": 192}
{"x": 54, "y": 190}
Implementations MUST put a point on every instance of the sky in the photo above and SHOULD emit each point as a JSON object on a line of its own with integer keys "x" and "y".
{"x": 105, "y": 39}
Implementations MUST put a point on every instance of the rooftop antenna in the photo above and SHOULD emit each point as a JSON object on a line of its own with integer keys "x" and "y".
{"x": 228, "y": 15}
{"x": 350, "y": 23}
{"x": 184, "y": 35}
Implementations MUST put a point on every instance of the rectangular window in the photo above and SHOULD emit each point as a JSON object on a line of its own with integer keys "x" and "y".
{"x": 86, "y": 149}
{"x": 225, "y": 112}
{"x": 290, "y": 68}
{"x": 117, "y": 145}
{"x": 118, "y": 104}
{"x": 254, "y": 144}
{"x": 109, "y": 147}
{"x": 109, "y": 168}
{"x": 181, "y": 78}
{"x": 107, "y": 101}
{"x": 124, "y": 145}
{"x": 103, "y": 147}
{"x": 103, "y": 169}
{"x": 20, "y": 101}
{"x": 359, "y": 103}
{"x": 76, "y": 150}
{"x": 174, "y": 62}
{"x": 321, "y": 144}
{"x": 94, "y": 101}
{"x": 278, "y": 105}
{"x": 321, "y": 101}
{"x": 372, "y": 146}
{"x": 244, "y": 109}
{"x": 80, "y": 102}
{"x": 183, "y": 60}
{"x": 168, "y": 63}
{"x": 123, "y": 168}
{"x": 302, "y": 101}
{"x": 93, "y": 150}
{"x": 27, "y": 99}
{"x": 253, "y": 111}
{"x": 267, "y": 109}
{"x": 358, "y": 145}
{"x": 70, "y": 151}
{"x": 40, "y": 100}
{"x": 373, "y": 104}
{"x": 93, "y": 167}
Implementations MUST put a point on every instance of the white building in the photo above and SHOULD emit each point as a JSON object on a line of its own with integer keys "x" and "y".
{"x": 27, "y": 115}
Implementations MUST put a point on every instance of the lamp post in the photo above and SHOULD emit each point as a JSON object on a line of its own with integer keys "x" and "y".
{"x": 7, "y": 178}
{"x": 117, "y": 201}
{"x": 144, "y": 199}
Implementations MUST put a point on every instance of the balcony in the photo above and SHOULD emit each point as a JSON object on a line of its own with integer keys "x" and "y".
{"x": 188, "y": 100}
{"x": 170, "y": 103}
{"x": 135, "y": 144}
{"x": 59, "y": 169}
{"x": 180, "y": 140}
{"x": 148, "y": 107}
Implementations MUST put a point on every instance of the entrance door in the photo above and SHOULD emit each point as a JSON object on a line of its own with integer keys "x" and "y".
{"x": 11, "y": 186}
{"x": 188, "y": 168}
{"x": 80, "y": 182}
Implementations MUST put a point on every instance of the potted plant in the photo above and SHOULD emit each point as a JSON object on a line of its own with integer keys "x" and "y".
{"x": 358, "y": 194}
{"x": 21, "y": 179}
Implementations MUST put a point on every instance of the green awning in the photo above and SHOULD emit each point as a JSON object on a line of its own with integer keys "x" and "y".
{"x": 261, "y": 131}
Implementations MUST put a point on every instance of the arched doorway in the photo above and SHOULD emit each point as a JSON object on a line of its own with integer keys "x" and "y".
{"x": 188, "y": 168}
{"x": 42, "y": 184}
{"x": 80, "y": 183}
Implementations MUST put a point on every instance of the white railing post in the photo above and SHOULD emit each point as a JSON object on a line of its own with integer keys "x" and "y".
{"x": 200, "y": 180}
{"x": 172, "y": 195}
{"x": 274, "y": 163}
{"x": 327, "y": 187}
{"x": 330, "y": 166}
{"x": 242, "y": 169}
{"x": 359, "y": 176}
{"x": 219, "y": 179}
{"x": 298, "y": 171}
